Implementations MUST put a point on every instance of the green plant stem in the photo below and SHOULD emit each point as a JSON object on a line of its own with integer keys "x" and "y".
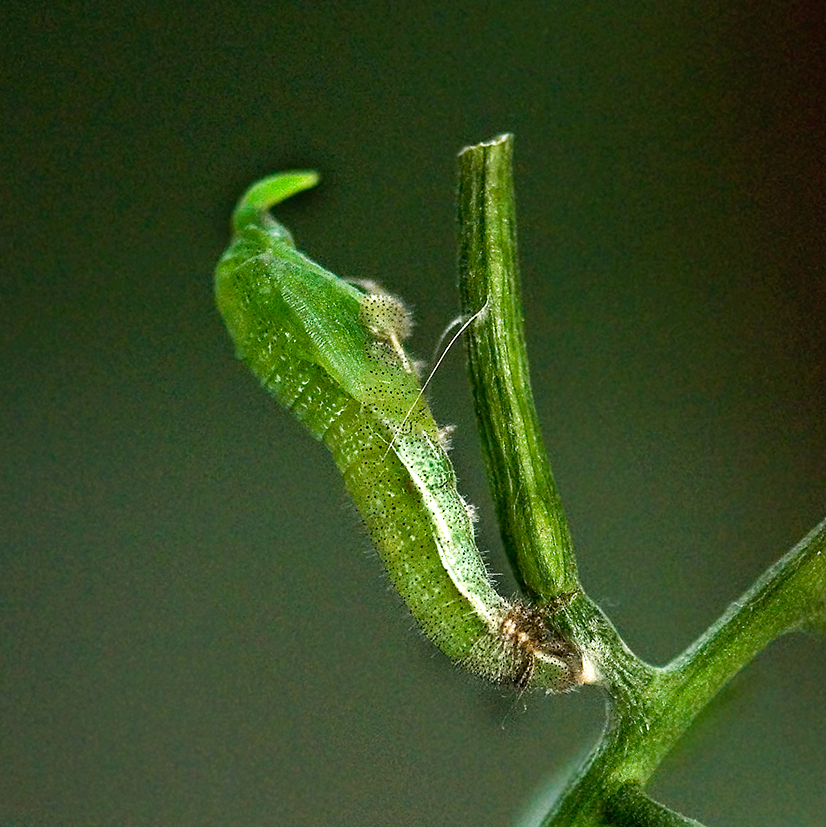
{"x": 529, "y": 509}
{"x": 651, "y": 708}
{"x": 790, "y": 596}
{"x": 531, "y": 520}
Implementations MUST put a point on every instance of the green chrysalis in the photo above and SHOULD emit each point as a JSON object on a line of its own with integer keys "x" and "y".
{"x": 331, "y": 352}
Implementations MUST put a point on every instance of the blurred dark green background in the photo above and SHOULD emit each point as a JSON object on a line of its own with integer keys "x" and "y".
{"x": 194, "y": 630}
